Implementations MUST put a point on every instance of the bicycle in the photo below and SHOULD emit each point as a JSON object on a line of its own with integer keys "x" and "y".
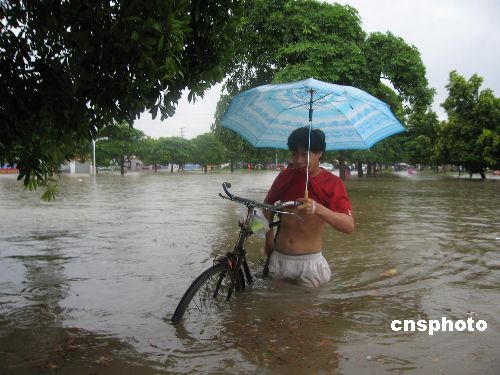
{"x": 213, "y": 288}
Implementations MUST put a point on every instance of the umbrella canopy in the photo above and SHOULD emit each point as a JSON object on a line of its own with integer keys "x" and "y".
{"x": 350, "y": 118}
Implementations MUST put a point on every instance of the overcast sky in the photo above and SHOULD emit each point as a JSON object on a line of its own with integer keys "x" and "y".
{"x": 461, "y": 35}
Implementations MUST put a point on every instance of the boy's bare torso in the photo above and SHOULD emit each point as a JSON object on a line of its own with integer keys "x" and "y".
{"x": 297, "y": 237}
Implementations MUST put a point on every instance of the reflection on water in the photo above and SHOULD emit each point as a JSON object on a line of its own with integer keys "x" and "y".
{"x": 88, "y": 283}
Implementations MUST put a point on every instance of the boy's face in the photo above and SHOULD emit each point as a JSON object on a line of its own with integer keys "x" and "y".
{"x": 299, "y": 158}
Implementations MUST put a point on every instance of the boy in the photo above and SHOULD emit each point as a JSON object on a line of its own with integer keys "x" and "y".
{"x": 296, "y": 251}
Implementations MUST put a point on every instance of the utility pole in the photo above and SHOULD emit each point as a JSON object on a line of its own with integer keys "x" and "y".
{"x": 182, "y": 132}
{"x": 93, "y": 158}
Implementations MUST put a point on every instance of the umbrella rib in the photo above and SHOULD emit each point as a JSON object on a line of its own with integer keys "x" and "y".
{"x": 284, "y": 109}
{"x": 297, "y": 106}
{"x": 301, "y": 102}
{"x": 305, "y": 101}
{"x": 286, "y": 100}
{"x": 321, "y": 97}
{"x": 331, "y": 105}
{"x": 304, "y": 104}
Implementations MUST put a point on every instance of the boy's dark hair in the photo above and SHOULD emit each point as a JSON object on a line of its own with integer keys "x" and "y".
{"x": 300, "y": 137}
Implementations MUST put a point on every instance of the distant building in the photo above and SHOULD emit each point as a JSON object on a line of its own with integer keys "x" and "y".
{"x": 134, "y": 164}
{"x": 8, "y": 169}
{"x": 77, "y": 166}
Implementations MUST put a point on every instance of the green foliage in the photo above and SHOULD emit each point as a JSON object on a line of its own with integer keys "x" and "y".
{"x": 490, "y": 141}
{"x": 52, "y": 190}
{"x": 118, "y": 142}
{"x": 390, "y": 57}
{"x": 470, "y": 137}
{"x": 175, "y": 150}
{"x": 289, "y": 40}
{"x": 68, "y": 68}
{"x": 208, "y": 150}
{"x": 151, "y": 152}
{"x": 421, "y": 139}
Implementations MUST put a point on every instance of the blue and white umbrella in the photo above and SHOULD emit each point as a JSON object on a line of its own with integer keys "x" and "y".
{"x": 350, "y": 118}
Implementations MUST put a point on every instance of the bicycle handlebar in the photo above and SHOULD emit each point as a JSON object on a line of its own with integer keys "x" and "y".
{"x": 248, "y": 202}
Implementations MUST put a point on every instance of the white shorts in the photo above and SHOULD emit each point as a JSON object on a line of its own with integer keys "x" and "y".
{"x": 308, "y": 269}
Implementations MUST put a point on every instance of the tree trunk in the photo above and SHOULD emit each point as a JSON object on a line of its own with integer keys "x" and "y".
{"x": 172, "y": 167}
{"x": 369, "y": 169}
{"x": 341, "y": 168}
{"x": 122, "y": 166}
{"x": 205, "y": 167}
{"x": 232, "y": 166}
{"x": 360, "y": 169}
{"x": 483, "y": 176}
{"x": 156, "y": 167}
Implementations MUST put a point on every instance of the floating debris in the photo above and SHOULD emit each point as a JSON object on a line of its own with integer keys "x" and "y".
{"x": 389, "y": 273}
{"x": 104, "y": 361}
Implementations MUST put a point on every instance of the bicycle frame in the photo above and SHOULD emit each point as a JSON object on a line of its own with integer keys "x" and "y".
{"x": 239, "y": 253}
{"x": 237, "y": 258}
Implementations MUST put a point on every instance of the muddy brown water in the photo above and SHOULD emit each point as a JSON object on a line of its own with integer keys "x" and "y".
{"x": 88, "y": 282}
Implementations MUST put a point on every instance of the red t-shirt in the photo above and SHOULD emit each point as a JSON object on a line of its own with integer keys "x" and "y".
{"x": 325, "y": 188}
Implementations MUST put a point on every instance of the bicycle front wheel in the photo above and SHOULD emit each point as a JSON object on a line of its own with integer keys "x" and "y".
{"x": 207, "y": 294}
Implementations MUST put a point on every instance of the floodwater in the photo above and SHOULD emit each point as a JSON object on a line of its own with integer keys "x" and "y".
{"x": 88, "y": 283}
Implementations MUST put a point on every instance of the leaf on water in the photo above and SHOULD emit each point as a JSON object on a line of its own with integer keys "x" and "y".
{"x": 389, "y": 273}
{"x": 51, "y": 365}
{"x": 271, "y": 348}
{"x": 325, "y": 342}
{"x": 72, "y": 345}
{"x": 104, "y": 361}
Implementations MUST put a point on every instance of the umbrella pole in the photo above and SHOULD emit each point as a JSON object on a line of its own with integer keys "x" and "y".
{"x": 306, "y": 192}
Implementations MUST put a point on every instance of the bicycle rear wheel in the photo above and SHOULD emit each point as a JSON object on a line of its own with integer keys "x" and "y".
{"x": 207, "y": 294}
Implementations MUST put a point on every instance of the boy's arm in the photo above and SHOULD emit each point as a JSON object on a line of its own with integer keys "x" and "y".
{"x": 338, "y": 220}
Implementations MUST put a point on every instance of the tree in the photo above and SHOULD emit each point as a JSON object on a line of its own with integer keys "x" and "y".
{"x": 490, "y": 141}
{"x": 421, "y": 140}
{"x": 289, "y": 40}
{"x": 151, "y": 153}
{"x": 286, "y": 40}
{"x": 175, "y": 150}
{"x": 470, "y": 137}
{"x": 208, "y": 150}
{"x": 121, "y": 142}
{"x": 69, "y": 68}
{"x": 390, "y": 59}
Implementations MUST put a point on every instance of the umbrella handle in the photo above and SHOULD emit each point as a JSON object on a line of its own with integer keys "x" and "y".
{"x": 306, "y": 194}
